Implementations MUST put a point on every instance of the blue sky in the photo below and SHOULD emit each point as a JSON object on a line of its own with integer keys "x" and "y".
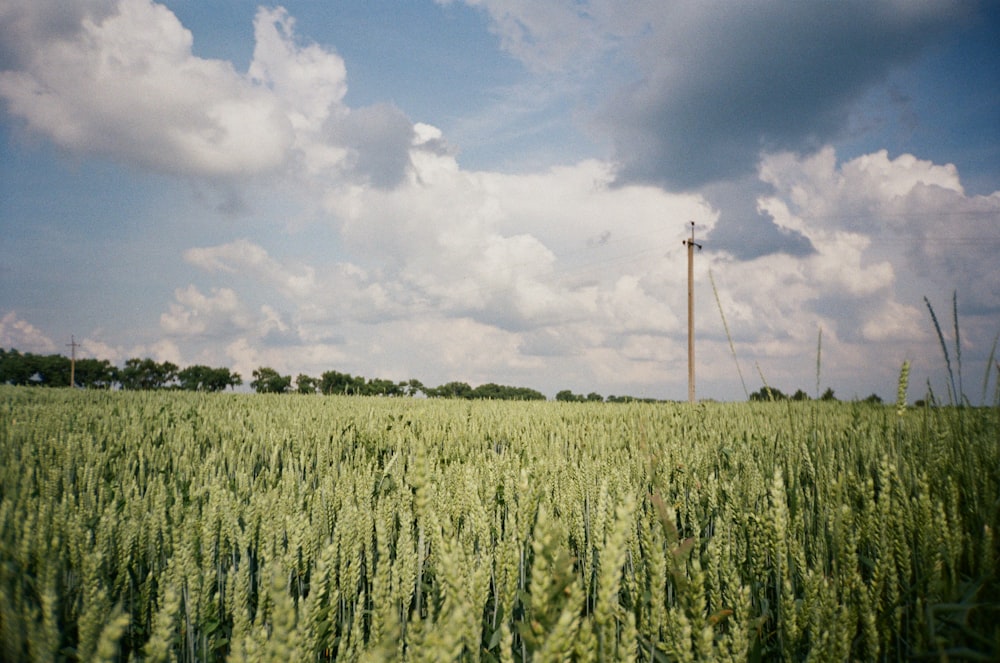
{"x": 497, "y": 191}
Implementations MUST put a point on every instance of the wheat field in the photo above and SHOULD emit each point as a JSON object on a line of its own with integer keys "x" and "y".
{"x": 175, "y": 526}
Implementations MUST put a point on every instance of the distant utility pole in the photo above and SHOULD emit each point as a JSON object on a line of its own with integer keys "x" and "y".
{"x": 690, "y": 246}
{"x": 72, "y": 345}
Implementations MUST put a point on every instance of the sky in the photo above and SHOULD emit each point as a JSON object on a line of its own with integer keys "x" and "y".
{"x": 500, "y": 190}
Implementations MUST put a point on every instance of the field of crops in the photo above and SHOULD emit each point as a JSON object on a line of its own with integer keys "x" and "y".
{"x": 169, "y": 526}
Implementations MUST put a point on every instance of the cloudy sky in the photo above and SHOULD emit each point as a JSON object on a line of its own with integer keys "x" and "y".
{"x": 499, "y": 190}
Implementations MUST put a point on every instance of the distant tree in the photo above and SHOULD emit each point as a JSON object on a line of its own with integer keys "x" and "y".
{"x": 567, "y": 396}
{"x": 499, "y": 392}
{"x": 266, "y": 380}
{"x": 873, "y": 399}
{"x": 192, "y": 378}
{"x": 52, "y": 370}
{"x": 95, "y": 373}
{"x": 768, "y": 394}
{"x": 381, "y": 387}
{"x": 222, "y": 377}
{"x": 800, "y": 395}
{"x": 15, "y": 368}
{"x": 450, "y": 390}
{"x": 595, "y": 397}
{"x": 333, "y": 382}
{"x": 414, "y": 387}
{"x": 205, "y": 378}
{"x": 305, "y": 384}
{"x": 828, "y": 395}
{"x": 147, "y": 374}
{"x": 31, "y": 369}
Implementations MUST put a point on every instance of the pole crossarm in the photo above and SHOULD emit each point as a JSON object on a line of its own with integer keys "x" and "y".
{"x": 72, "y": 345}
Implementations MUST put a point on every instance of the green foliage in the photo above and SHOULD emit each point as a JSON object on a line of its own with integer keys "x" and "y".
{"x": 49, "y": 370}
{"x": 205, "y": 378}
{"x": 767, "y": 393}
{"x": 569, "y": 397}
{"x": 146, "y": 374}
{"x": 185, "y": 526}
{"x": 266, "y": 380}
{"x": 334, "y": 382}
{"x": 450, "y": 390}
{"x": 488, "y": 391}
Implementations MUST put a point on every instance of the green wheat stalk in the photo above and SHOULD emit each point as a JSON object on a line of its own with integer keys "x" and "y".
{"x": 944, "y": 349}
{"x": 767, "y": 387}
{"x": 819, "y": 355}
{"x": 904, "y": 381}
{"x": 989, "y": 367}
{"x": 960, "y": 394}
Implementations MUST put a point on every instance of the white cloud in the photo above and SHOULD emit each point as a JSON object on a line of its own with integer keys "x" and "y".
{"x": 873, "y": 209}
{"x": 164, "y": 350}
{"x": 248, "y": 259}
{"x": 517, "y": 250}
{"x": 127, "y": 85}
{"x": 195, "y": 314}
{"x": 894, "y": 321}
{"x": 97, "y": 349}
{"x": 124, "y": 83}
{"x": 21, "y": 335}
{"x": 310, "y": 80}
{"x": 885, "y": 232}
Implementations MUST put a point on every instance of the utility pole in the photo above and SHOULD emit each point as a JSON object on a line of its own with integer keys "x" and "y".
{"x": 72, "y": 345}
{"x": 690, "y": 247}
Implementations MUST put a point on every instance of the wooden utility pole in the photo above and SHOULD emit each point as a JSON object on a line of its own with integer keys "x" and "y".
{"x": 690, "y": 247}
{"x": 72, "y": 345}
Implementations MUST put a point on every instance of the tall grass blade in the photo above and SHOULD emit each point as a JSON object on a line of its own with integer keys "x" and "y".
{"x": 989, "y": 368}
{"x": 729, "y": 337}
{"x": 819, "y": 355}
{"x": 944, "y": 349}
{"x": 960, "y": 394}
{"x": 767, "y": 387}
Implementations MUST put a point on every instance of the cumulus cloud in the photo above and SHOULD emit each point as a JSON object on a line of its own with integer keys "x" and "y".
{"x": 19, "y": 334}
{"x": 23, "y": 22}
{"x": 516, "y": 251}
{"x": 126, "y": 85}
{"x": 885, "y": 233}
{"x": 120, "y": 80}
{"x": 248, "y": 259}
{"x": 195, "y": 314}
{"x": 309, "y": 80}
{"x": 320, "y": 294}
{"x": 379, "y": 138}
{"x": 909, "y": 210}
{"x": 718, "y": 83}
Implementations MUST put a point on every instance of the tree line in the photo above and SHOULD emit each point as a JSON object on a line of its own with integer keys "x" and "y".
{"x": 767, "y": 393}
{"x": 268, "y": 380}
{"x": 146, "y": 374}
{"x": 56, "y": 370}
